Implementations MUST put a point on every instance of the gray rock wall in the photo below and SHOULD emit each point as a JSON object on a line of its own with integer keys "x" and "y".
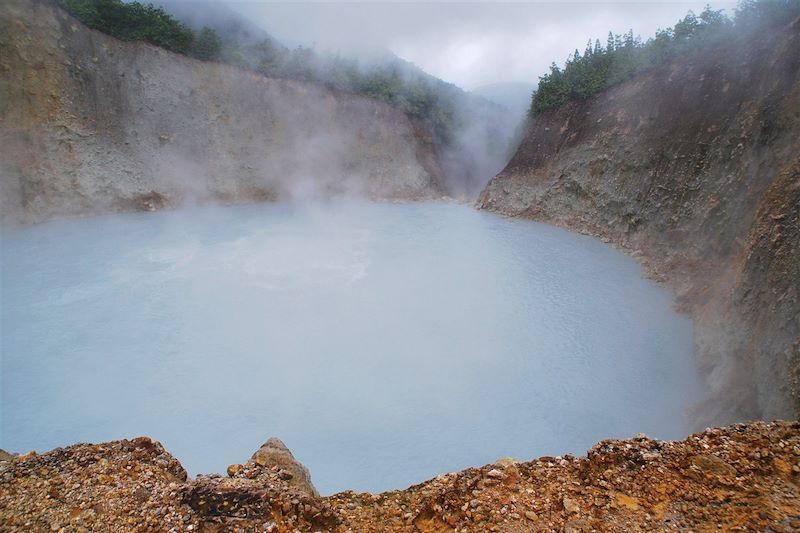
{"x": 90, "y": 124}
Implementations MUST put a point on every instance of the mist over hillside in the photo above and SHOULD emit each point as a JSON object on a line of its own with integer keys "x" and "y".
{"x": 515, "y": 96}
{"x": 474, "y": 135}
{"x": 230, "y": 25}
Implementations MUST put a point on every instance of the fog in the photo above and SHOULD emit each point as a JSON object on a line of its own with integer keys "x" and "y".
{"x": 469, "y": 44}
{"x": 499, "y": 49}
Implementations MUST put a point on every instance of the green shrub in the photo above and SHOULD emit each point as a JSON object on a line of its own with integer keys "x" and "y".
{"x": 133, "y": 22}
{"x": 206, "y": 45}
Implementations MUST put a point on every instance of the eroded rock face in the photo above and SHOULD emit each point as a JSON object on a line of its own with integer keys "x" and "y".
{"x": 90, "y": 124}
{"x": 694, "y": 168}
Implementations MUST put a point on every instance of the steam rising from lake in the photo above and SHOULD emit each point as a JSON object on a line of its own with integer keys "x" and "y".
{"x": 384, "y": 344}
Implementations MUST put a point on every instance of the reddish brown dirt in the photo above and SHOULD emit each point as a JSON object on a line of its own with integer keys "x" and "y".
{"x": 744, "y": 477}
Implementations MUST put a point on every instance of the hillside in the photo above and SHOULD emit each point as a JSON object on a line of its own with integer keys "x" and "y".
{"x": 694, "y": 168}
{"x": 90, "y": 124}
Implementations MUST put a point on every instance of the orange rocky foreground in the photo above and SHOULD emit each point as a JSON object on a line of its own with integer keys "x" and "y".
{"x": 738, "y": 478}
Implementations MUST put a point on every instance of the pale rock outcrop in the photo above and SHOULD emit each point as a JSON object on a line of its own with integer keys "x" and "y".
{"x": 274, "y": 454}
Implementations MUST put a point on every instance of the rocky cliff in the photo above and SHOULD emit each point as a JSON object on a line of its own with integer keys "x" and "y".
{"x": 694, "y": 167}
{"x": 90, "y": 124}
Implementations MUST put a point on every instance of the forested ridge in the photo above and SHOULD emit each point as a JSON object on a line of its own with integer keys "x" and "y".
{"x": 623, "y": 56}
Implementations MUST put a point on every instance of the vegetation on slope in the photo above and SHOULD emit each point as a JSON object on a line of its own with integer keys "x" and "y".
{"x": 133, "y": 22}
{"x": 623, "y": 56}
{"x": 401, "y": 84}
{"x": 439, "y": 106}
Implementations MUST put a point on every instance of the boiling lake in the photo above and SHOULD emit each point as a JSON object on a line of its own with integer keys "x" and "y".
{"x": 384, "y": 343}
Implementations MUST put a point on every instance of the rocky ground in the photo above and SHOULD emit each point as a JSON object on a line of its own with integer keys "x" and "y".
{"x": 739, "y": 478}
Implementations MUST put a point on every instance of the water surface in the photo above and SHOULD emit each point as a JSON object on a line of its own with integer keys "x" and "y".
{"x": 385, "y": 344}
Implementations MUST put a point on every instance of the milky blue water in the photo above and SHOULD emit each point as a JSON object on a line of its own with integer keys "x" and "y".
{"x": 385, "y": 344}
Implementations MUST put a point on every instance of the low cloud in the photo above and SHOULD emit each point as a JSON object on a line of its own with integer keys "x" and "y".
{"x": 469, "y": 44}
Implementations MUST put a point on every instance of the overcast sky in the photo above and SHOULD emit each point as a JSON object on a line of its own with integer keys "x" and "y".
{"x": 469, "y": 44}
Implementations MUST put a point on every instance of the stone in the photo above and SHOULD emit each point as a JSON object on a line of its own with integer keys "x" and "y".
{"x": 571, "y": 506}
{"x": 274, "y": 453}
{"x": 141, "y": 494}
{"x": 506, "y": 461}
{"x": 714, "y": 465}
{"x": 234, "y": 469}
{"x": 5, "y": 456}
{"x": 575, "y": 526}
{"x": 28, "y": 456}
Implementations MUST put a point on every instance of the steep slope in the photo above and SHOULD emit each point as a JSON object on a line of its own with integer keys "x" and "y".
{"x": 694, "y": 167}
{"x": 91, "y": 124}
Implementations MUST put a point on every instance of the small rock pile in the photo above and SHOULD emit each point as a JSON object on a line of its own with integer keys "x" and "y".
{"x": 744, "y": 477}
{"x": 272, "y": 490}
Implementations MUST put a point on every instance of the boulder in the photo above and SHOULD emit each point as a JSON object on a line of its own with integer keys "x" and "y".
{"x": 275, "y": 455}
